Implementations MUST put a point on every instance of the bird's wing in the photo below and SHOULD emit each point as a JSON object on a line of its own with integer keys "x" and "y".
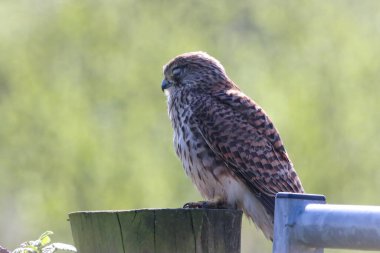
{"x": 241, "y": 134}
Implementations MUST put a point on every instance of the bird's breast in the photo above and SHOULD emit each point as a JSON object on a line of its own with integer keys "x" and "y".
{"x": 207, "y": 172}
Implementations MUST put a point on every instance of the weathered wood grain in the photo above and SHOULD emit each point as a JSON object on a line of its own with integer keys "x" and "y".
{"x": 157, "y": 231}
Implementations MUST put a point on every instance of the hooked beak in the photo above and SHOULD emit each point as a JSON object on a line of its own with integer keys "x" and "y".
{"x": 165, "y": 84}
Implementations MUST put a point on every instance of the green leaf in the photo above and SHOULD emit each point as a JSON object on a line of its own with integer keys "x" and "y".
{"x": 44, "y": 241}
{"x": 44, "y": 238}
{"x": 47, "y": 233}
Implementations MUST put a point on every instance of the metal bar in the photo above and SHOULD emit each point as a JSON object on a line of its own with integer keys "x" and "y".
{"x": 339, "y": 226}
{"x": 304, "y": 223}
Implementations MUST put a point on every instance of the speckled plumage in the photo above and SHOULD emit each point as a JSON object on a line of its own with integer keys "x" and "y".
{"x": 227, "y": 144}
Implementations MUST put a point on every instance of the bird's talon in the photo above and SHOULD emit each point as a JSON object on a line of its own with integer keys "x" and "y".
{"x": 195, "y": 205}
{"x": 207, "y": 205}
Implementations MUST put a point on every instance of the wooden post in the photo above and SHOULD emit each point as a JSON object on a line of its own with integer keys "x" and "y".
{"x": 157, "y": 231}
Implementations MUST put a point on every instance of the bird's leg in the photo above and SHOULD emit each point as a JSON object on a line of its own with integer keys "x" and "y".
{"x": 209, "y": 205}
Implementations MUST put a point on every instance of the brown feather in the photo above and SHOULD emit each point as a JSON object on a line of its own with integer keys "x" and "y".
{"x": 254, "y": 152}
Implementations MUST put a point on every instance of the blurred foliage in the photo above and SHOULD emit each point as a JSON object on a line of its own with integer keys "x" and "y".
{"x": 84, "y": 123}
{"x": 43, "y": 245}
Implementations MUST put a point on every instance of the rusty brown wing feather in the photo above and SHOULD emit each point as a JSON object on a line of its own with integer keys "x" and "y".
{"x": 239, "y": 132}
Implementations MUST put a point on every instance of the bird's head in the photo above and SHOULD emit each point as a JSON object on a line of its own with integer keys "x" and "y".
{"x": 194, "y": 70}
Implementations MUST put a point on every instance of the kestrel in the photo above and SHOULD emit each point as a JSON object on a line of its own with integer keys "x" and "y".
{"x": 226, "y": 142}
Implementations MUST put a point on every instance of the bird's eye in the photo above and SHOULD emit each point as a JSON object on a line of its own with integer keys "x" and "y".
{"x": 176, "y": 72}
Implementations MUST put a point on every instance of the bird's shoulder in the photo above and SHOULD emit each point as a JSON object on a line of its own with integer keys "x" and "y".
{"x": 234, "y": 103}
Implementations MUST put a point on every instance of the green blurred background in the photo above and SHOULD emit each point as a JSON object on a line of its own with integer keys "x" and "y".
{"x": 83, "y": 121}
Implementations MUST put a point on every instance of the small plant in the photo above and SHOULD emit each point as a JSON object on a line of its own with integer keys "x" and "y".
{"x": 43, "y": 245}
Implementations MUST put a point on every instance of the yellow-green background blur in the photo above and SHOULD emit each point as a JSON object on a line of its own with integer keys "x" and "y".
{"x": 83, "y": 121}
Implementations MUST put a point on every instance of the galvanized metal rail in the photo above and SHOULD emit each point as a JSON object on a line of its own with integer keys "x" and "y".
{"x": 305, "y": 223}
